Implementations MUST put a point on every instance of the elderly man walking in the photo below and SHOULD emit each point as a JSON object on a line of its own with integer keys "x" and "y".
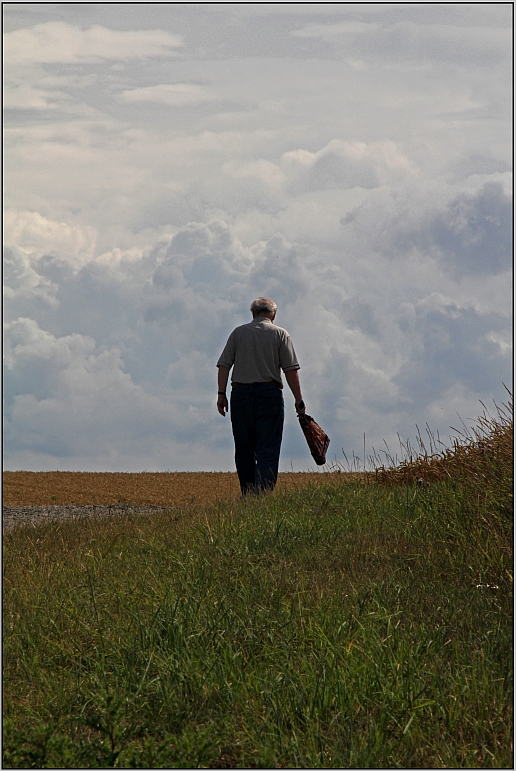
{"x": 258, "y": 351}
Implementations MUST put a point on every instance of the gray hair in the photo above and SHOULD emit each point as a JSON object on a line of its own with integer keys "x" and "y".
{"x": 263, "y": 304}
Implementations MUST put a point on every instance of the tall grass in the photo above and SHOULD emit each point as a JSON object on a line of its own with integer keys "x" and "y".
{"x": 344, "y": 625}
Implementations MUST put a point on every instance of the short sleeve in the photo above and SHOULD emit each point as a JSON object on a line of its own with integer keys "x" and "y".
{"x": 227, "y": 357}
{"x": 287, "y": 355}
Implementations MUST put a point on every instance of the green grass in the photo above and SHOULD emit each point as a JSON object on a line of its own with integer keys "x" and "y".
{"x": 339, "y": 626}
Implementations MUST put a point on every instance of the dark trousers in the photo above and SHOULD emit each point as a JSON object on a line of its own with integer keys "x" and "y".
{"x": 257, "y": 414}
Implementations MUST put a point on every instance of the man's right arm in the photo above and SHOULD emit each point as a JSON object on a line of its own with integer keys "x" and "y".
{"x": 222, "y": 401}
{"x": 224, "y": 364}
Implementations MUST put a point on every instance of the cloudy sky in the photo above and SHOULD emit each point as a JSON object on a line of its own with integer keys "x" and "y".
{"x": 164, "y": 164}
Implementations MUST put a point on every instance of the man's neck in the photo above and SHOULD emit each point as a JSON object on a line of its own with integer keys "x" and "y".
{"x": 260, "y": 316}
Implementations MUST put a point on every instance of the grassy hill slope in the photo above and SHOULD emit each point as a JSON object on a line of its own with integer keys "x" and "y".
{"x": 340, "y": 625}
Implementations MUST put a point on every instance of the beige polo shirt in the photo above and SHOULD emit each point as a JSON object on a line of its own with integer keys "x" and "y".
{"x": 258, "y": 351}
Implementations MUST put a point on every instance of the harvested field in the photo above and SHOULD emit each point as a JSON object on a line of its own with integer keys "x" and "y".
{"x": 77, "y": 488}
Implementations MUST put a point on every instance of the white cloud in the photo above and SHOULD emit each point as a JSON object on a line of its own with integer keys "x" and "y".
{"x": 22, "y": 96}
{"x": 24, "y": 340}
{"x": 47, "y": 92}
{"x": 265, "y": 171}
{"x": 37, "y": 235}
{"x": 173, "y": 95}
{"x": 22, "y": 283}
{"x": 59, "y": 42}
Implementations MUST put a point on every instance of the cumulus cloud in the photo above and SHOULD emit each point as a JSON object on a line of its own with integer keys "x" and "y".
{"x": 152, "y": 327}
{"x": 22, "y": 282}
{"x": 340, "y": 169}
{"x": 36, "y": 235}
{"x": 84, "y": 405}
{"x": 470, "y": 235}
{"x": 473, "y": 234}
{"x": 450, "y": 344}
{"x": 345, "y": 165}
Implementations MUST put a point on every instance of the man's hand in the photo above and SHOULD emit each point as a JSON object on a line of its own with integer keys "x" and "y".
{"x": 222, "y": 404}
{"x": 222, "y": 379}
{"x": 300, "y": 407}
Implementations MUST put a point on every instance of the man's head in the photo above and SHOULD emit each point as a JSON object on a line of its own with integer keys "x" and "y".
{"x": 262, "y": 306}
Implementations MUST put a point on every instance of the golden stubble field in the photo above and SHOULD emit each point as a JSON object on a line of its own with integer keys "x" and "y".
{"x": 77, "y": 488}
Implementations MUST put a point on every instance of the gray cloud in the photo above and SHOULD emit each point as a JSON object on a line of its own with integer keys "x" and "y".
{"x": 472, "y": 235}
{"x": 333, "y": 172}
{"x": 143, "y": 339}
{"x": 409, "y": 40}
{"x": 478, "y": 163}
{"x": 340, "y": 169}
{"x": 451, "y": 344}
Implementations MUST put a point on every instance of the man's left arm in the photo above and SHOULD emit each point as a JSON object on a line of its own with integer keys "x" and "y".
{"x": 292, "y": 378}
{"x": 290, "y": 367}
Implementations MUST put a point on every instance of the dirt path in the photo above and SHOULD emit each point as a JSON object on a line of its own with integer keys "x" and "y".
{"x": 17, "y": 516}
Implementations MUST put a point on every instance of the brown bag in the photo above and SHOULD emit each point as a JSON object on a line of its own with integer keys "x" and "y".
{"x": 317, "y": 440}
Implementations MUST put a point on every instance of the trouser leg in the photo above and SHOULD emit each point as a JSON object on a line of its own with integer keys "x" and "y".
{"x": 268, "y": 421}
{"x": 244, "y": 434}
